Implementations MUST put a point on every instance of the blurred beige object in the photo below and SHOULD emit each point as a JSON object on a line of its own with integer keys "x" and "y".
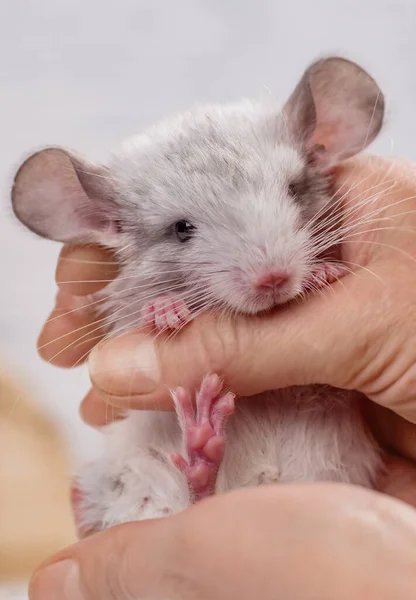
{"x": 35, "y": 516}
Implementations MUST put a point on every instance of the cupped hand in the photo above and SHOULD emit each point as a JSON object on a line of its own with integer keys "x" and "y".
{"x": 360, "y": 334}
{"x": 326, "y": 541}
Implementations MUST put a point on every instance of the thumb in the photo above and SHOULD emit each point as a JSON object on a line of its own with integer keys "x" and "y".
{"x": 333, "y": 339}
{"x": 124, "y": 562}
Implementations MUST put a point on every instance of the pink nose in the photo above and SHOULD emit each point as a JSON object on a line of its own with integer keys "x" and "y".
{"x": 271, "y": 280}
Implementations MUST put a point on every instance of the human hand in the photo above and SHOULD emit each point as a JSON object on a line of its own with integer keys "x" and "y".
{"x": 324, "y": 351}
{"x": 348, "y": 544}
{"x": 359, "y": 335}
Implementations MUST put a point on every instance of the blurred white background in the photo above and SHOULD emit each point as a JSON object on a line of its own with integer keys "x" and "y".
{"x": 86, "y": 73}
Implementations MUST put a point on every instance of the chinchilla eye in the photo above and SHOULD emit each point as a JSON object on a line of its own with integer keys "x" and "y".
{"x": 184, "y": 230}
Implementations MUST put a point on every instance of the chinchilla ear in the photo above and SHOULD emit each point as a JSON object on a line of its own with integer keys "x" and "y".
{"x": 337, "y": 106}
{"x": 62, "y": 197}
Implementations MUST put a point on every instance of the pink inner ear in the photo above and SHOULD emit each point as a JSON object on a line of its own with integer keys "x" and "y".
{"x": 333, "y": 141}
{"x": 324, "y": 133}
{"x": 318, "y": 156}
{"x": 62, "y": 197}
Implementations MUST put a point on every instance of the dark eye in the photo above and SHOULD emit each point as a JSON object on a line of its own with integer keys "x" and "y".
{"x": 184, "y": 230}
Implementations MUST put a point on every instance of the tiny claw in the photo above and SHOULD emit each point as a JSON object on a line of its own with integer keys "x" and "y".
{"x": 166, "y": 312}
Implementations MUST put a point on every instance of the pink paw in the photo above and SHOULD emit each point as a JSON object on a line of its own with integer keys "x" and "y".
{"x": 327, "y": 273}
{"x": 203, "y": 434}
{"x": 166, "y": 312}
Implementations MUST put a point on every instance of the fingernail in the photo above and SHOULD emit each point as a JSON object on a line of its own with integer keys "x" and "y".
{"x": 60, "y": 581}
{"x": 125, "y": 366}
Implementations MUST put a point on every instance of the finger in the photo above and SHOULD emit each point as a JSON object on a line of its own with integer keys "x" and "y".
{"x": 296, "y": 346}
{"x": 97, "y": 413}
{"x": 71, "y": 331}
{"x": 263, "y": 534}
{"x": 124, "y": 562}
{"x": 139, "y": 369}
{"x": 326, "y": 530}
{"x": 74, "y": 327}
{"x": 83, "y": 270}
